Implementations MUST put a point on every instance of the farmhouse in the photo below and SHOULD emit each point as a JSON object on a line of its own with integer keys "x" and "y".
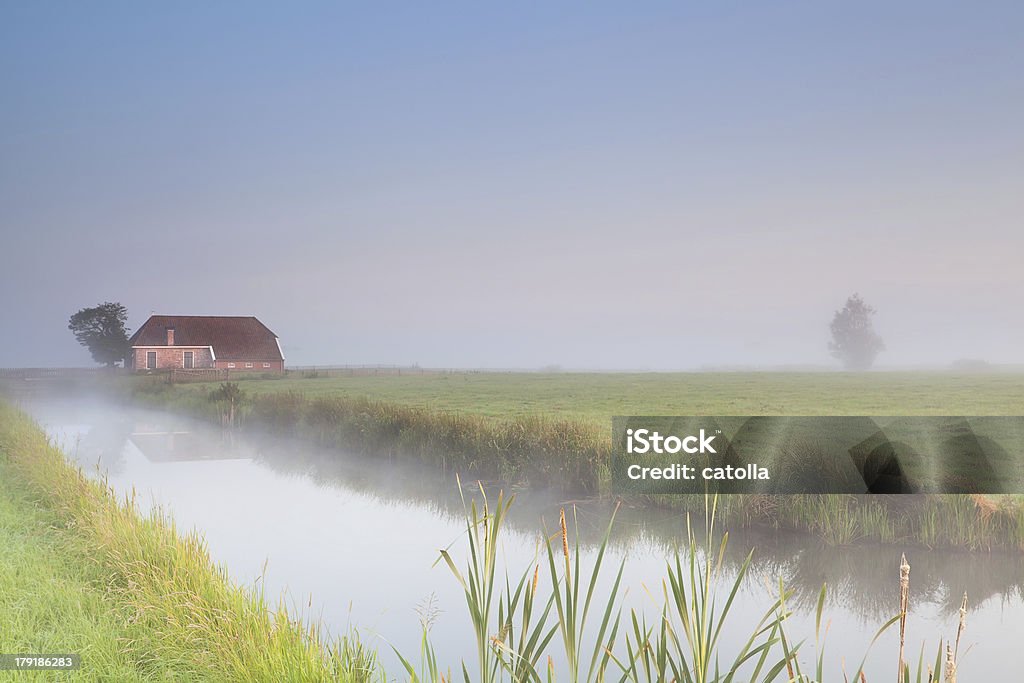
{"x": 205, "y": 341}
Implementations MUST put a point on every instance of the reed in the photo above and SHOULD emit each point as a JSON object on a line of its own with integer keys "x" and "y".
{"x": 686, "y": 644}
{"x": 483, "y": 529}
{"x": 683, "y": 644}
{"x": 585, "y": 662}
{"x": 961, "y": 626}
{"x": 942, "y": 669}
{"x": 697, "y": 601}
{"x": 429, "y": 668}
{"x": 904, "y": 601}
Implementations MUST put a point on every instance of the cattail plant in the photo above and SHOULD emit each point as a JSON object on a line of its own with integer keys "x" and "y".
{"x": 904, "y": 599}
{"x": 483, "y": 529}
{"x": 573, "y": 612}
{"x": 685, "y": 645}
{"x": 962, "y": 626}
{"x": 950, "y": 676}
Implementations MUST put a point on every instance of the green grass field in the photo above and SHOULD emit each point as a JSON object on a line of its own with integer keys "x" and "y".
{"x": 596, "y": 397}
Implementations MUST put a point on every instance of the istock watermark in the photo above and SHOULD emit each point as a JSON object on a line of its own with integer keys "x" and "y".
{"x": 645, "y": 440}
{"x": 810, "y": 454}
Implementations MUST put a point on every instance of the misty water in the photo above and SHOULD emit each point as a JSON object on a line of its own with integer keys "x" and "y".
{"x": 353, "y": 540}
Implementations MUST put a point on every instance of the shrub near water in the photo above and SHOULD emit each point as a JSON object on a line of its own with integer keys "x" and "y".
{"x": 185, "y": 613}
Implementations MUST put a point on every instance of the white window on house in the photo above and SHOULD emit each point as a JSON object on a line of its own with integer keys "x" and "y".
{"x": 188, "y": 360}
{"x": 248, "y": 365}
{"x": 231, "y": 365}
{"x": 266, "y": 365}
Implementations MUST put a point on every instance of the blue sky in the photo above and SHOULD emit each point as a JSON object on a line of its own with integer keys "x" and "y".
{"x": 665, "y": 185}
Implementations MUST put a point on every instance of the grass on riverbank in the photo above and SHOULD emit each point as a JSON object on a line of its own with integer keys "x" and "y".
{"x": 51, "y": 597}
{"x": 965, "y": 522}
{"x": 530, "y": 450}
{"x": 88, "y": 574}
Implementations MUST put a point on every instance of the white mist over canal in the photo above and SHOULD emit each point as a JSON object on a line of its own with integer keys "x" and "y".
{"x": 353, "y": 541}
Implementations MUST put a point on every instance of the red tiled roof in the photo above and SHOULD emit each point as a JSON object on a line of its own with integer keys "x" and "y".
{"x": 232, "y": 337}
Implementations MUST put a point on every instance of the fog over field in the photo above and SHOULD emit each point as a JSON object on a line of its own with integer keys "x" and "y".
{"x": 668, "y": 187}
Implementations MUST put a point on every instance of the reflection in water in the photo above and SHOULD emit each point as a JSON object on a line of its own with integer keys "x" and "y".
{"x": 103, "y": 444}
{"x": 364, "y": 531}
{"x": 184, "y": 446}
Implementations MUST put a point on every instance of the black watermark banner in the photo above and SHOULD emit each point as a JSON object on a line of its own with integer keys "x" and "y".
{"x": 883, "y": 455}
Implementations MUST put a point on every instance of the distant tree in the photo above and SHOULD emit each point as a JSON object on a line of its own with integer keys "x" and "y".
{"x": 101, "y": 329}
{"x": 853, "y": 337}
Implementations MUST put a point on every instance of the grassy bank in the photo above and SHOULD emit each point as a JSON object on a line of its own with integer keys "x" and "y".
{"x": 51, "y": 596}
{"x": 529, "y": 449}
{"x": 82, "y": 572}
{"x": 976, "y": 523}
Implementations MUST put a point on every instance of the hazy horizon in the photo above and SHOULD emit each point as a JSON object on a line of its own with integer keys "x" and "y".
{"x": 650, "y": 187}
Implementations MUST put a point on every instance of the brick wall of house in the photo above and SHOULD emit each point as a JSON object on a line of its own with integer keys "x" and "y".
{"x": 173, "y": 357}
{"x": 257, "y": 365}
